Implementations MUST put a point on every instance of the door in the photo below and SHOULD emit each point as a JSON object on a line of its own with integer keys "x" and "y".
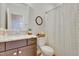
{"x": 27, "y": 51}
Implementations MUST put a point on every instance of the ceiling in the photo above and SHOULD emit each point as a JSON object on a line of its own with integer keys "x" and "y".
{"x": 34, "y": 5}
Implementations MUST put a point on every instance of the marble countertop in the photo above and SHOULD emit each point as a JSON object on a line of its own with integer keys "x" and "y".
{"x": 15, "y": 37}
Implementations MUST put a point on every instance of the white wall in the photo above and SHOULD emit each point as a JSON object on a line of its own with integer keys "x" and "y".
{"x": 38, "y": 10}
{"x": 0, "y": 15}
{"x": 61, "y": 29}
{"x": 77, "y": 29}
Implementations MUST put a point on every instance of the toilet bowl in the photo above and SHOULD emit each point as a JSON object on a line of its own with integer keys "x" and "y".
{"x": 45, "y": 50}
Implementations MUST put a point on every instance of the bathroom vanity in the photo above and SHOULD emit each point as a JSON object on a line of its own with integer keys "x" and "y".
{"x": 20, "y": 45}
{"x": 15, "y": 17}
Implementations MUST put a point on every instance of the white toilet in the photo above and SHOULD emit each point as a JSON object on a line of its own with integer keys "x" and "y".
{"x": 45, "y": 50}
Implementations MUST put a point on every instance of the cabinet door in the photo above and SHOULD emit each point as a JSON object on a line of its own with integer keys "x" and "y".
{"x": 9, "y": 53}
{"x": 2, "y": 54}
{"x": 2, "y": 47}
{"x": 27, "y": 51}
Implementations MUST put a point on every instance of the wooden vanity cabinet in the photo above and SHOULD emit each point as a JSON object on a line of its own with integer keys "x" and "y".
{"x": 27, "y": 47}
{"x": 29, "y": 51}
{"x": 2, "y": 46}
{"x": 2, "y": 54}
{"x": 15, "y": 44}
{"x": 9, "y": 53}
{"x": 32, "y": 41}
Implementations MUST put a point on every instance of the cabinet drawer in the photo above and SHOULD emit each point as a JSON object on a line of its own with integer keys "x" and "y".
{"x": 32, "y": 41}
{"x": 15, "y": 44}
{"x": 2, "y": 47}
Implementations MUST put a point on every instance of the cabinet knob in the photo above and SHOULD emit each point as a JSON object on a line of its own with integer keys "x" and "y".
{"x": 20, "y": 52}
{"x": 15, "y": 53}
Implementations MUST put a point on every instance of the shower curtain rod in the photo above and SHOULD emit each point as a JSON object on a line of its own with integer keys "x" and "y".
{"x": 53, "y": 8}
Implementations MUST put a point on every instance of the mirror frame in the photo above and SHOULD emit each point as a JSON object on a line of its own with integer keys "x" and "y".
{"x": 36, "y": 20}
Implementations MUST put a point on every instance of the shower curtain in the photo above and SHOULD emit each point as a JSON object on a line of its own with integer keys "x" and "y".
{"x": 62, "y": 26}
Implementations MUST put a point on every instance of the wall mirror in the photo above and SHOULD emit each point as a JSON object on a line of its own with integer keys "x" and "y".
{"x": 15, "y": 20}
{"x": 39, "y": 20}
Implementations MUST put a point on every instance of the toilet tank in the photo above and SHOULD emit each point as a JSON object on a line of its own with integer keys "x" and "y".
{"x": 41, "y": 41}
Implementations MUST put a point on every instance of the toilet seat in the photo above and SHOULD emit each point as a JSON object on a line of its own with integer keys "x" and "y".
{"x": 47, "y": 50}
